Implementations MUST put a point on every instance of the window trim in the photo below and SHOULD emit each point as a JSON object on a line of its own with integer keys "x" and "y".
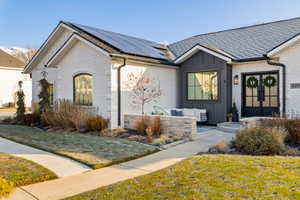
{"x": 203, "y": 100}
{"x": 74, "y": 90}
{"x": 51, "y": 84}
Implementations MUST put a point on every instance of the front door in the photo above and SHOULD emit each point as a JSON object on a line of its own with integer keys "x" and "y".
{"x": 260, "y": 94}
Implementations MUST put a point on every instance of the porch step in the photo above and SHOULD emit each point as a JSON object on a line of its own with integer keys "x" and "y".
{"x": 229, "y": 127}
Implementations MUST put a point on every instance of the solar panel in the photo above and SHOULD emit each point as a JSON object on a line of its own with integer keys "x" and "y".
{"x": 127, "y": 44}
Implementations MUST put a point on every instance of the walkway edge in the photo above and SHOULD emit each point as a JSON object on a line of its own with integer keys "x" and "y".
{"x": 73, "y": 185}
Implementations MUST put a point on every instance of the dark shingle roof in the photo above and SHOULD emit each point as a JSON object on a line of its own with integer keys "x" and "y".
{"x": 125, "y": 43}
{"x": 243, "y": 43}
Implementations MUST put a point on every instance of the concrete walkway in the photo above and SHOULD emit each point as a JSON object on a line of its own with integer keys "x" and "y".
{"x": 60, "y": 165}
{"x": 73, "y": 185}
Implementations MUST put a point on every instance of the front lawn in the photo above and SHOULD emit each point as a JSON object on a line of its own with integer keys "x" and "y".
{"x": 18, "y": 172}
{"x": 95, "y": 151}
{"x": 211, "y": 177}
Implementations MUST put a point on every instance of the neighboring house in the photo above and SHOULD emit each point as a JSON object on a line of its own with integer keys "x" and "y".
{"x": 257, "y": 67}
{"x": 11, "y": 72}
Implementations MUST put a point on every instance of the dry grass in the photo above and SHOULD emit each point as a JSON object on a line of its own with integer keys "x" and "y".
{"x": 15, "y": 171}
{"x": 211, "y": 177}
{"x": 23, "y": 172}
{"x": 6, "y": 188}
{"x": 95, "y": 151}
{"x": 8, "y": 110}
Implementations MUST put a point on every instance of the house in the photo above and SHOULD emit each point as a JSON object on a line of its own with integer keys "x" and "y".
{"x": 11, "y": 72}
{"x": 257, "y": 67}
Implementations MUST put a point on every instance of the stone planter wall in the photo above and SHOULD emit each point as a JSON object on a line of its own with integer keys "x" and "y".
{"x": 181, "y": 126}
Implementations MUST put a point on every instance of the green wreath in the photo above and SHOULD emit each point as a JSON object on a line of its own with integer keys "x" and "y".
{"x": 252, "y": 82}
{"x": 270, "y": 81}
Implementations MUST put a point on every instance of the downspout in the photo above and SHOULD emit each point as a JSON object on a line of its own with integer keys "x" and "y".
{"x": 283, "y": 82}
{"x": 119, "y": 90}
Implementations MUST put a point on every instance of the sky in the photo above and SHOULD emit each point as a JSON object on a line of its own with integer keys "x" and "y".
{"x": 27, "y": 23}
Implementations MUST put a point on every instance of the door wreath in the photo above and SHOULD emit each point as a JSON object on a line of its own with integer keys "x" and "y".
{"x": 270, "y": 81}
{"x": 252, "y": 82}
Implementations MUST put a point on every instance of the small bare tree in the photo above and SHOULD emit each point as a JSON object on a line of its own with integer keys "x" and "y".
{"x": 143, "y": 89}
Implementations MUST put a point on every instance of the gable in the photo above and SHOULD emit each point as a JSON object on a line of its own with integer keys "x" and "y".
{"x": 69, "y": 44}
{"x": 197, "y": 48}
{"x": 250, "y": 42}
{"x": 201, "y": 59}
{"x": 283, "y": 46}
{"x": 81, "y": 56}
{"x": 55, "y": 40}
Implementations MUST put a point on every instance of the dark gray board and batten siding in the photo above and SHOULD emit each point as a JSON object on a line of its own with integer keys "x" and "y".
{"x": 217, "y": 109}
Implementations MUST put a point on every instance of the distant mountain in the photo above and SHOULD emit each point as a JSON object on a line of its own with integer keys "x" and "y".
{"x": 23, "y": 54}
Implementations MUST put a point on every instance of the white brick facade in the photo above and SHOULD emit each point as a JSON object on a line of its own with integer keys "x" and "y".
{"x": 168, "y": 83}
{"x": 239, "y": 69}
{"x": 81, "y": 58}
{"x": 291, "y": 58}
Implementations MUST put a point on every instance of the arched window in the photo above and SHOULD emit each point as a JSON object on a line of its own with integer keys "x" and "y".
{"x": 83, "y": 89}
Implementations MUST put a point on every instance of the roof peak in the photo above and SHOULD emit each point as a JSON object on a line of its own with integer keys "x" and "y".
{"x": 157, "y": 44}
{"x": 245, "y": 27}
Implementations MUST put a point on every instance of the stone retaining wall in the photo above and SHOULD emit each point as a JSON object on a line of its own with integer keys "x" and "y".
{"x": 181, "y": 126}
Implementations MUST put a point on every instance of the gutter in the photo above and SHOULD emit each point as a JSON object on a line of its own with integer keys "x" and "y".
{"x": 283, "y": 66}
{"x": 119, "y": 89}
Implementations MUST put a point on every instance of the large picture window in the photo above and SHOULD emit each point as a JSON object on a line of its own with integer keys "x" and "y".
{"x": 202, "y": 86}
{"x": 83, "y": 88}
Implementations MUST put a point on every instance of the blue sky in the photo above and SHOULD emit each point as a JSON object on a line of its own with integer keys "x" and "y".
{"x": 27, "y": 23}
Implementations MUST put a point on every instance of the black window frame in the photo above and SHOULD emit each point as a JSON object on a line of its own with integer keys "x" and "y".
{"x": 204, "y": 71}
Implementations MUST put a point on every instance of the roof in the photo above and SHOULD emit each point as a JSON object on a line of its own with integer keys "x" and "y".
{"x": 124, "y": 43}
{"x": 7, "y": 60}
{"x": 243, "y": 43}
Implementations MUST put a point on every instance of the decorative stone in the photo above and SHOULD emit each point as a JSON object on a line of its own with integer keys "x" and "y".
{"x": 171, "y": 125}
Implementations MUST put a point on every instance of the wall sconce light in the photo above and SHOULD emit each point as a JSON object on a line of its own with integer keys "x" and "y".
{"x": 236, "y": 80}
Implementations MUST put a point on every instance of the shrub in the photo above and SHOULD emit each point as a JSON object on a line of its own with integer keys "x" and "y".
{"x": 145, "y": 122}
{"x": 166, "y": 139}
{"x": 291, "y": 125}
{"x": 155, "y": 126}
{"x": 65, "y": 114}
{"x": 6, "y": 188}
{"x": 20, "y": 104}
{"x": 142, "y": 124}
{"x": 261, "y": 141}
{"x": 221, "y": 147}
{"x": 97, "y": 123}
{"x": 33, "y": 118}
{"x": 44, "y": 102}
{"x": 149, "y": 135}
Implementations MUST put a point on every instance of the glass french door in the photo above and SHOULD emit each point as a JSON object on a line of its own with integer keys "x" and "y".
{"x": 260, "y": 94}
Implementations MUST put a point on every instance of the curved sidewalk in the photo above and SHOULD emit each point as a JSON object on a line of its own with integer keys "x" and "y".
{"x": 73, "y": 185}
{"x": 60, "y": 165}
